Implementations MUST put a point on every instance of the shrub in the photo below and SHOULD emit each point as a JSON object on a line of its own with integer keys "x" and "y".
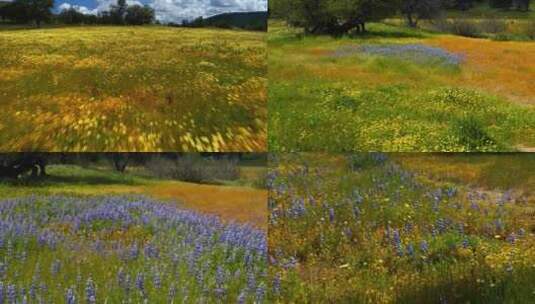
{"x": 493, "y": 26}
{"x": 361, "y": 161}
{"x": 465, "y": 28}
{"x": 458, "y": 97}
{"x": 529, "y": 29}
{"x": 472, "y": 134}
{"x": 260, "y": 181}
{"x": 194, "y": 168}
{"x": 457, "y": 27}
{"x": 441, "y": 25}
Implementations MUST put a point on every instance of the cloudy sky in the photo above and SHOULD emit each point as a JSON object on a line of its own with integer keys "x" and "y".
{"x": 170, "y": 10}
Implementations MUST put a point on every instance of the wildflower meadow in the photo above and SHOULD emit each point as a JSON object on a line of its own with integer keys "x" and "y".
{"x": 124, "y": 249}
{"x": 394, "y": 228}
{"x": 152, "y": 88}
{"x": 398, "y": 89}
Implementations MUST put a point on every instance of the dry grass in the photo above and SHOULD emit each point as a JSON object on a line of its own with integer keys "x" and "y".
{"x": 504, "y": 68}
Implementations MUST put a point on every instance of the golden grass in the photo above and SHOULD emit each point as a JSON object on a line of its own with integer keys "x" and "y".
{"x": 488, "y": 171}
{"x": 505, "y": 68}
{"x": 231, "y": 203}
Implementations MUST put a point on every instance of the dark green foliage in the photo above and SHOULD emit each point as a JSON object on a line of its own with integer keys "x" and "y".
{"x": 500, "y": 3}
{"x": 255, "y": 21}
{"x": 471, "y": 133}
{"x": 194, "y": 168}
{"x": 26, "y": 11}
{"x": 363, "y": 161}
{"x": 415, "y": 10}
{"x": 138, "y": 15}
{"x": 72, "y": 16}
{"x": 465, "y": 28}
{"x": 334, "y": 17}
{"x": 15, "y": 165}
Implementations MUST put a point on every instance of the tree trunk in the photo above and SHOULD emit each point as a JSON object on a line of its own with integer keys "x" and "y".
{"x": 410, "y": 20}
{"x": 120, "y": 161}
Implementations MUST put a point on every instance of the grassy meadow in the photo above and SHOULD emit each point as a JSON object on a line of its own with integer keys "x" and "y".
{"x": 153, "y": 88}
{"x": 402, "y": 228}
{"x": 399, "y": 89}
{"x": 86, "y": 234}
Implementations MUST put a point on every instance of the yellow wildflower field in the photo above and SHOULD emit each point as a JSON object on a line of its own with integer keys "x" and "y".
{"x": 132, "y": 89}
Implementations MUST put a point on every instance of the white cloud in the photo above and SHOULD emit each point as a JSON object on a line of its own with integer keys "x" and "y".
{"x": 178, "y": 10}
{"x": 102, "y": 5}
{"x": 81, "y": 9}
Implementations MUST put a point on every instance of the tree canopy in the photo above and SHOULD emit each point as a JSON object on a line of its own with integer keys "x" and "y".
{"x": 39, "y": 11}
{"x": 26, "y": 11}
{"x": 335, "y": 17}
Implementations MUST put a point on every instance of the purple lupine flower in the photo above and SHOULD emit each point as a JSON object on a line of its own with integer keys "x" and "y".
{"x": 277, "y": 285}
{"x": 156, "y": 280}
{"x": 357, "y": 198}
{"x": 1, "y": 292}
{"x": 220, "y": 276}
{"x": 55, "y": 267}
{"x": 90, "y": 291}
{"x": 251, "y": 281}
{"x": 133, "y": 252}
{"x": 44, "y": 289}
{"x": 11, "y": 294}
{"x": 260, "y": 293}
{"x": 70, "y": 298}
{"x": 499, "y": 225}
{"x": 465, "y": 243}
{"x": 140, "y": 282}
{"x": 9, "y": 251}
{"x": 356, "y": 212}
{"x": 424, "y": 247}
{"x": 242, "y": 297}
{"x": 451, "y": 191}
{"x": 331, "y": 214}
{"x": 410, "y": 250}
{"x": 511, "y": 238}
{"x": 297, "y": 208}
{"x": 121, "y": 277}
{"x": 442, "y": 225}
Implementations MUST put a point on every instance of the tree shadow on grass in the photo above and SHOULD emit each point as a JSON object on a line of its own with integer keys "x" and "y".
{"x": 65, "y": 180}
{"x": 383, "y": 33}
{"x": 494, "y": 289}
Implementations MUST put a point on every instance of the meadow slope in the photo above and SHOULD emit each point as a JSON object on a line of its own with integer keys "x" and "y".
{"x": 398, "y": 89}
{"x": 402, "y": 228}
{"x": 132, "y": 89}
{"x": 232, "y": 203}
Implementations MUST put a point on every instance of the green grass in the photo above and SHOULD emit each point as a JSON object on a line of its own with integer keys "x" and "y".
{"x": 73, "y": 178}
{"x": 319, "y": 102}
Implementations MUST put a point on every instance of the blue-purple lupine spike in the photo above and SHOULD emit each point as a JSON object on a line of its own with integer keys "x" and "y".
{"x": 70, "y": 297}
{"x": 90, "y": 291}
{"x": 196, "y": 237}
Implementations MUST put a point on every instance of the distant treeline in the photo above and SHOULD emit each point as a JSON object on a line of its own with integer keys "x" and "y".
{"x": 40, "y": 11}
{"x": 253, "y": 21}
{"x": 337, "y": 17}
{"x": 16, "y": 165}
